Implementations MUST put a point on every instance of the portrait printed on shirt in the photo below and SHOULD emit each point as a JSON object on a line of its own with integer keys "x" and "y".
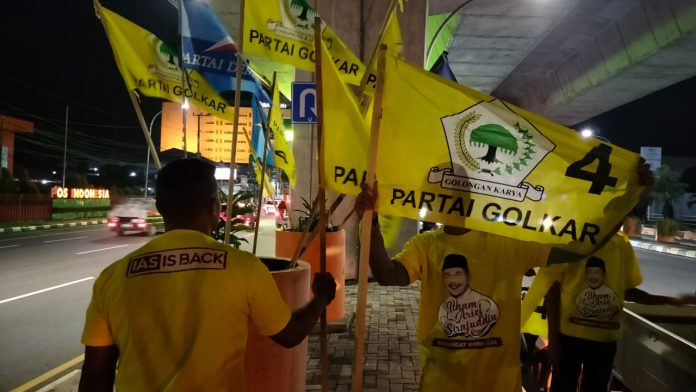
{"x": 465, "y": 313}
{"x": 596, "y": 303}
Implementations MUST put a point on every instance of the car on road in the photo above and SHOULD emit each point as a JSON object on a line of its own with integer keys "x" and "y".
{"x": 135, "y": 215}
{"x": 268, "y": 208}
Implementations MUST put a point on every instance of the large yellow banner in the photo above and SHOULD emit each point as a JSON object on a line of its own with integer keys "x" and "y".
{"x": 284, "y": 157}
{"x": 283, "y": 30}
{"x": 463, "y": 158}
{"x": 149, "y": 66}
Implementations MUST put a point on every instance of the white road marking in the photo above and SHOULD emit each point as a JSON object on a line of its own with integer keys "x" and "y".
{"x": 48, "y": 235}
{"x": 46, "y": 289}
{"x": 99, "y": 250}
{"x": 8, "y": 246}
{"x": 65, "y": 239}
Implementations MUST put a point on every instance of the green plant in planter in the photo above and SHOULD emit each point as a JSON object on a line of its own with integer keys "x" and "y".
{"x": 241, "y": 207}
{"x": 307, "y": 218}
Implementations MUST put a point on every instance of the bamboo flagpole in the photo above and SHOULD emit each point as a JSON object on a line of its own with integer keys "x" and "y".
{"x": 257, "y": 219}
{"x": 365, "y": 235}
{"x": 266, "y": 143}
{"x": 143, "y": 125}
{"x": 321, "y": 195}
{"x": 237, "y": 99}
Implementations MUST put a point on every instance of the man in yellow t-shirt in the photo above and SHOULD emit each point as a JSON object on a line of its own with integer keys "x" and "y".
{"x": 584, "y": 313}
{"x": 469, "y": 312}
{"x": 175, "y": 313}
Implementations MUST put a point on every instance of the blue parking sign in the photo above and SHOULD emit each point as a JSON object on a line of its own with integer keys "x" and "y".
{"x": 304, "y": 102}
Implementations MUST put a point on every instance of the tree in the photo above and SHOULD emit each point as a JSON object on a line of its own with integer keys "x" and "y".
{"x": 667, "y": 188}
{"x": 7, "y": 182}
{"x": 25, "y": 184}
{"x": 494, "y": 136}
{"x": 304, "y": 6}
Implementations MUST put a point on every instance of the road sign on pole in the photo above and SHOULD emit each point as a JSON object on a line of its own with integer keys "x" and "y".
{"x": 304, "y": 103}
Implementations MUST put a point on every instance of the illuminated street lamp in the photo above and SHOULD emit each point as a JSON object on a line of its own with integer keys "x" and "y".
{"x": 587, "y": 132}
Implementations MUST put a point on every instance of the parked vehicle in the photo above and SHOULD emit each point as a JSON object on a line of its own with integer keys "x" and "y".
{"x": 135, "y": 215}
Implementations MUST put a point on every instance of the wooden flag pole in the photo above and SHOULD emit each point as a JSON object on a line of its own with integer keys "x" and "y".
{"x": 143, "y": 125}
{"x": 266, "y": 143}
{"x": 365, "y": 235}
{"x": 257, "y": 219}
{"x": 322, "y": 199}
{"x": 237, "y": 98}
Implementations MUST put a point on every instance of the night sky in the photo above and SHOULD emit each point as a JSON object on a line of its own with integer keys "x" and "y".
{"x": 55, "y": 53}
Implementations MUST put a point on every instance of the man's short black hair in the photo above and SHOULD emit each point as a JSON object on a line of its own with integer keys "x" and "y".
{"x": 184, "y": 188}
{"x": 455, "y": 261}
{"x": 595, "y": 262}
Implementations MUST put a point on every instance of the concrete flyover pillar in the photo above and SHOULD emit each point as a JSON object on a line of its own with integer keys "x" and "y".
{"x": 358, "y": 23}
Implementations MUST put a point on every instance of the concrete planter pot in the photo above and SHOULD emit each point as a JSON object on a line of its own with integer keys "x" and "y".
{"x": 285, "y": 244}
{"x": 269, "y": 366}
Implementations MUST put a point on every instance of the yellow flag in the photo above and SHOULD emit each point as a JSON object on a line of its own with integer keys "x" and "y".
{"x": 268, "y": 189}
{"x": 284, "y": 158}
{"x": 463, "y": 158}
{"x": 345, "y": 137}
{"x": 149, "y": 66}
{"x": 394, "y": 42}
{"x": 283, "y": 30}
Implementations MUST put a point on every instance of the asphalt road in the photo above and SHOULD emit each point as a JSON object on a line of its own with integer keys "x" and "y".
{"x": 46, "y": 279}
{"x": 666, "y": 274}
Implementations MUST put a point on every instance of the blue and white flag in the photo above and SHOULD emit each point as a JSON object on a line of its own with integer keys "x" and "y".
{"x": 209, "y": 49}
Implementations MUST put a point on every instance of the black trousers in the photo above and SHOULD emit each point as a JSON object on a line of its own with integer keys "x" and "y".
{"x": 595, "y": 359}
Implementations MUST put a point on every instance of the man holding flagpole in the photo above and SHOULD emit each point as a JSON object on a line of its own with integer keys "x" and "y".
{"x": 465, "y": 344}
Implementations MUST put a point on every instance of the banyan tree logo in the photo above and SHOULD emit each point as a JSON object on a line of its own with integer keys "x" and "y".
{"x": 297, "y": 21}
{"x": 492, "y": 150}
{"x": 167, "y": 60}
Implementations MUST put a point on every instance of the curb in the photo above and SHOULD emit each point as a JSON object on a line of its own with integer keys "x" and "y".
{"x": 673, "y": 250}
{"x": 17, "y": 229}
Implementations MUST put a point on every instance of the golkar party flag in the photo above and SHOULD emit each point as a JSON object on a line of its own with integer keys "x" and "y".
{"x": 283, "y": 30}
{"x": 454, "y": 155}
{"x": 148, "y": 57}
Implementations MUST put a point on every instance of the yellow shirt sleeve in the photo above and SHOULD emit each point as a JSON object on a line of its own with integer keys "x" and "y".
{"x": 415, "y": 251}
{"x": 96, "y": 331}
{"x": 267, "y": 309}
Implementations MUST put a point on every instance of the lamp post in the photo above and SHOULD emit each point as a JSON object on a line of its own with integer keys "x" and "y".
{"x": 147, "y": 162}
{"x": 589, "y": 132}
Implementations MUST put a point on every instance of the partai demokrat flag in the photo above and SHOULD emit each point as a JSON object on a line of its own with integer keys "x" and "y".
{"x": 460, "y": 157}
{"x": 284, "y": 157}
{"x": 151, "y": 66}
{"x": 209, "y": 49}
{"x": 283, "y": 31}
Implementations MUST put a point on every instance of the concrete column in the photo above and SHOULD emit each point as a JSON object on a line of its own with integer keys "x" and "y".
{"x": 345, "y": 17}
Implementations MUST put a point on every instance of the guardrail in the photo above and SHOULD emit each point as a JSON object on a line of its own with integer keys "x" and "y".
{"x": 652, "y": 358}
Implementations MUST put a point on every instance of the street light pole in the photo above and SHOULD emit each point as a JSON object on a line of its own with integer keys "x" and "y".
{"x": 147, "y": 162}
{"x": 65, "y": 144}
